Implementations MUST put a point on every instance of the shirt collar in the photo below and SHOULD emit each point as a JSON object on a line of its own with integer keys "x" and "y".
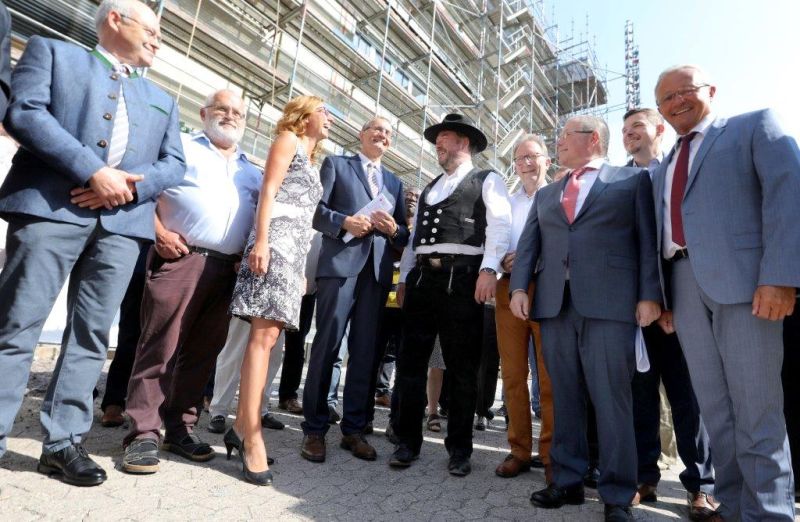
{"x": 595, "y": 164}
{"x": 113, "y": 61}
{"x": 704, "y": 124}
{"x": 366, "y": 161}
{"x": 460, "y": 171}
{"x": 200, "y": 136}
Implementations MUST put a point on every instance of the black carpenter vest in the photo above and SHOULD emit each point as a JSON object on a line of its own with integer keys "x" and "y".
{"x": 460, "y": 218}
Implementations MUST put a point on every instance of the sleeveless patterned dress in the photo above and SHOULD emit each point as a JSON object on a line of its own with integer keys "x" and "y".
{"x": 276, "y": 295}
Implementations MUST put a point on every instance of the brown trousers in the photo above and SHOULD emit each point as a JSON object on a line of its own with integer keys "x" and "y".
{"x": 184, "y": 326}
{"x": 513, "y": 336}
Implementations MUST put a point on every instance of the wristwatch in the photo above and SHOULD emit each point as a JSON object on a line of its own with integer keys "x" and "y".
{"x": 488, "y": 270}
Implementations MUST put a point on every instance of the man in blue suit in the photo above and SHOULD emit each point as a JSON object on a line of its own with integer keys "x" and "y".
{"x": 726, "y": 209}
{"x": 353, "y": 281}
{"x": 99, "y": 143}
{"x": 590, "y": 237}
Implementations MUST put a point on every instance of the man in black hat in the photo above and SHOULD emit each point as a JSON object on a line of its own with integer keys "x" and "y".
{"x": 462, "y": 231}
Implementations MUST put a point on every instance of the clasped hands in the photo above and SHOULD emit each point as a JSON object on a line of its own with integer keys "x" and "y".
{"x": 108, "y": 188}
{"x": 361, "y": 225}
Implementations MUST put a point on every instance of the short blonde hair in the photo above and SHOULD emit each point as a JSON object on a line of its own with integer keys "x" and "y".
{"x": 295, "y": 116}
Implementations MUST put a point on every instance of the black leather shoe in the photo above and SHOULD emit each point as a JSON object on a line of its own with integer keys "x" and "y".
{"x": 232, "y": 441}
{"x": 537, "y": 462}
{"x": 402, "y": 457}
{"x": 553, "y": 497}
{"x": 141, "y": 457}
{"x": 459, "y": 464}
{"x": 217, "y": 424}
{"x": 270, "y": 422}
{"x": 592, "y": 477}
{"x": 333, "y": 415}
{"x": 617, "y": 513}
{"x": 73, "y": 465}
{"x": 481, "y": 423}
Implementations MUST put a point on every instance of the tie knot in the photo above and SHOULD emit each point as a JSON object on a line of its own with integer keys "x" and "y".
{"x": 122, "y": 69}
{"x": 689, "y": 137}
{"x": 581, "y": 171}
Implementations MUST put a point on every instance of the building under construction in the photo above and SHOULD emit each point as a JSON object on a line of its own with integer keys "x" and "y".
{"x": 412, "y": 61}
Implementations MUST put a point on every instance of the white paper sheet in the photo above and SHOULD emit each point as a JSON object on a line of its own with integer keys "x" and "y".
{"x": 642, "y": 361}
{"x": 381, "y": 202}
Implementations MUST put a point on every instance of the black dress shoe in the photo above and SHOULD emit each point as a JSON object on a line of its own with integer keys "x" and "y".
{"x": 553, "y": 497}
{"x": 333, "y": 415}
{"x": 592, "y": 477}
{"x": 459, "y": 464}
{"x": 232, "y": 441}
{"x": 270, "y": 422}
{"x": 617, "y": 513}
{"x": 537, "y": 462}
{"x": 73, "y": 465}
{"x": 217, "y": 424}
{"x": 481, "y": 423}
{"x": 402, "y": 457}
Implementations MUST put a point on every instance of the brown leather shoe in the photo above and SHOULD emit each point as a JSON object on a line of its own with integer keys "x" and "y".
{"x": 313, "y": 447}
{"x": 702, "y": 506}
{"x": 384, "y": 401}
{"x": 358, "y": 446}
{"x": 511, "y": 467}
{"x": 112, "y": 416}
{"x": 291, "y": 405}
{"x": 645, "y": 493}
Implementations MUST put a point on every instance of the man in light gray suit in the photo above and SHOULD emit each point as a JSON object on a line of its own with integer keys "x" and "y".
{"x": 589, "y": 242}
{"x": 99, "y": 143}
{"x": 726, "y": 209}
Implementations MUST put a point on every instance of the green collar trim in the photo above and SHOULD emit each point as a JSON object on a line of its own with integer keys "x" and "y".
{"x": 97, "y": 54}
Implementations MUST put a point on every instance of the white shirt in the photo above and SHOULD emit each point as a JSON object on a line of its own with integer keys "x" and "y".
{"x": 521, "y": 204}
{"x": 498, "y": 222}
{"x": 668, "y": 247}
{"x": 365, "y": 162}
{"x": 652, "y": 165}
{"x": 586, "y": 182}
{"x": 214, "y": 206}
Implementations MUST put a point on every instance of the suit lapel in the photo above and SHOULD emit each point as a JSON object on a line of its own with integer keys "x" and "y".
{"x": 358, "y": 167}
{"x": 558, "y": 195}
{"x": 659, "y": 180}
{"x": 598, "y": 187}
{"x": 714, "y": 131}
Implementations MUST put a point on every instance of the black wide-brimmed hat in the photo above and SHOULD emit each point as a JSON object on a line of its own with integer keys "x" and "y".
{"x": 462, "y": 125}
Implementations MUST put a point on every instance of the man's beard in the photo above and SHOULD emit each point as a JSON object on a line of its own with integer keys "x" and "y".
{"x": 217, "y": 132}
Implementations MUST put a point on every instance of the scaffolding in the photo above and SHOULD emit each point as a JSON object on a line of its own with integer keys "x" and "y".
{"x": 500, "y": 62}
{"x": 633, "y": 97}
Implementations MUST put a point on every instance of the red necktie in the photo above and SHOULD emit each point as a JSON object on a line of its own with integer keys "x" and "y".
{"x": 570, "y": 198}
{"x": 679, "y": 180}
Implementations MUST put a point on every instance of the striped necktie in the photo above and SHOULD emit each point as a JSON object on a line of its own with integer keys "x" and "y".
{"x": 119, "y": 133}
{"x": 372, "y": 178}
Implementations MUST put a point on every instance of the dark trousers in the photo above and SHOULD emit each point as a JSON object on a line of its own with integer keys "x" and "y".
{"x": 791, "y": 386}
{"x": 667, "y": 365}
{"x": 128, "y": 337}
{"x": 389, "y": 335}
{"x": 339, "y": 300}
{"x": 490, "y": 364}
{"x": 440, "y": 302}
{"x": 294, "y": 352}
{"x": 184, "y": 326}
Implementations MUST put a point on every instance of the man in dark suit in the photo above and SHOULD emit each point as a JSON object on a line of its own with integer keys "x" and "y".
{"x": 5, "y": 59}
{"x": 726, "y": 210}
{"x": 354, "y": 274}
{"x": 99, "y": 143}
{"x": 642, "y": 133}
{"x": 589, "y": 237}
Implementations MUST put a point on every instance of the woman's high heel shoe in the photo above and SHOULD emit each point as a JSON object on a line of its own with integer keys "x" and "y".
{"x": 232, "y": 441}
{"x": 262, "y": 478}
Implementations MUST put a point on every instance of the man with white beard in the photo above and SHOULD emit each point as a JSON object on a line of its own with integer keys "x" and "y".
{"x": 201, "y": 229}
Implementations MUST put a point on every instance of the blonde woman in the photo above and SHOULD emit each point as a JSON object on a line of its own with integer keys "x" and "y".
{"x": 270, "y": 282}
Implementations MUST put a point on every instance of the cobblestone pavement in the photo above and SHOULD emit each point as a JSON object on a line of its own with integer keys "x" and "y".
{"x": 342, "y": 488}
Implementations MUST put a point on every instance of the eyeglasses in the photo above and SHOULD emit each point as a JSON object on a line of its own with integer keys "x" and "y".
{"x": 380, "y": 130}
{"x": 682, "y": 94}
{"x": 323, "y": 110}
{"x": 528, "y": 158}
{"x": 149, "y": 31}
{"x": 224, "y": 110}
{"x": 570, "y": 133}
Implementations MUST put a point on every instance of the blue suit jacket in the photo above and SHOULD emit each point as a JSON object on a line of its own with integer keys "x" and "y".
{"x": 610, "y": 248}
{"x": 60, "y": 94}
{"x": 741, "y": 216}
{"x": 345, "y": 191}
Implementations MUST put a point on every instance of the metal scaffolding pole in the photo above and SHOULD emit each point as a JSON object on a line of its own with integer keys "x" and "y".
{"x": 383, "y": 55}
{"x": 434, "y": 6}
{"x": 499, "y": 78}
{"x": 297, "y": 49}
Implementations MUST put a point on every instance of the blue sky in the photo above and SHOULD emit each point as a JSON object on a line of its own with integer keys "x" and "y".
{"x": 750, "y": 49}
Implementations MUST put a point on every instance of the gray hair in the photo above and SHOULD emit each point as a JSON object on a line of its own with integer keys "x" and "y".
{"x": 537, "y": 139}
{"x": 123, "y": 7}
{"x": 595, "y": 124}
{"x": 210, "y": 98}
{"x": 370, "y": 121}
{"x": 683, "y": 67}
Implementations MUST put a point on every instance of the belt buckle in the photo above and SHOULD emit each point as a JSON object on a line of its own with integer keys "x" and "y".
{"x": 435, "y": 262}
